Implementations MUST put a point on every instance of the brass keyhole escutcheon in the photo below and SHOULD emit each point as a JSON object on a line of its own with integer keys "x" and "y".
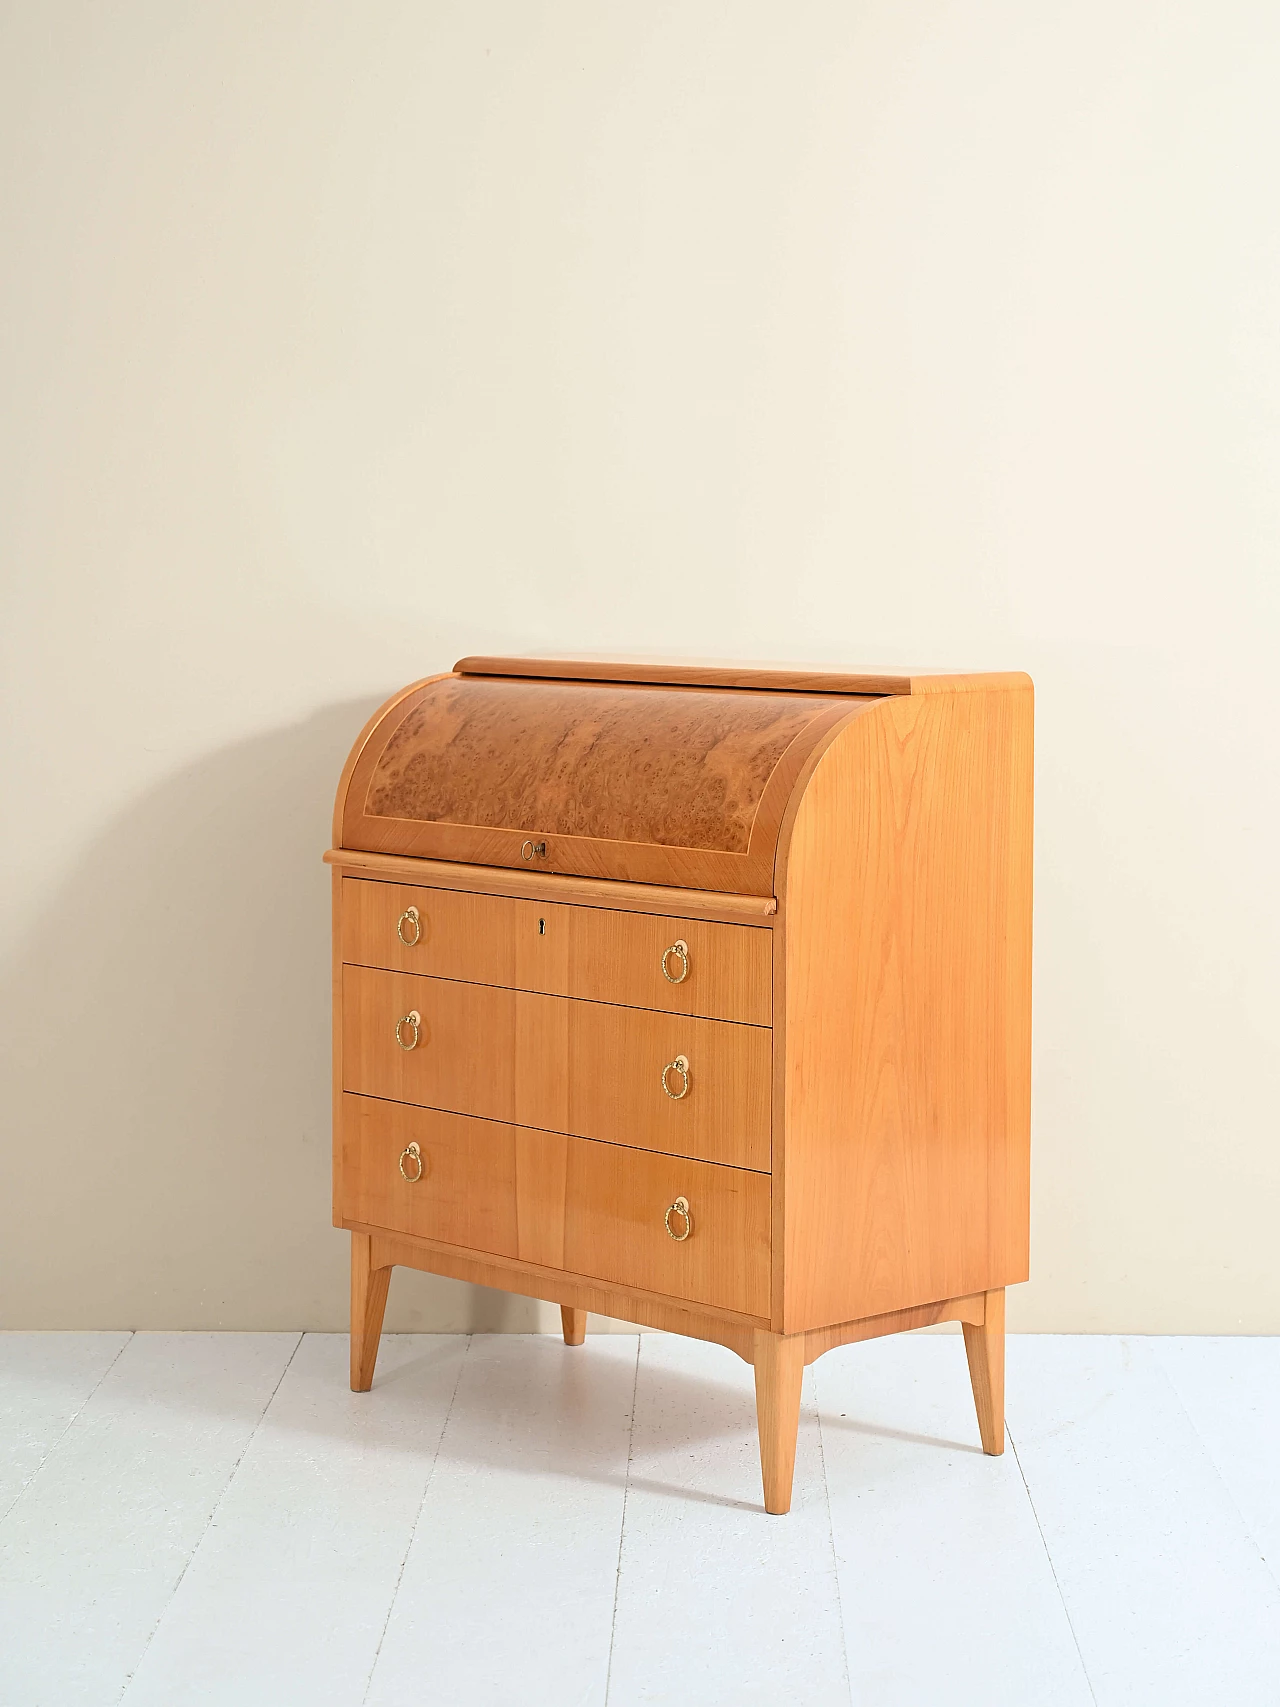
{"x": 678, "y": 954}
{"x": 409, "y": 1026}
{"x": 409, "y": 927}
{"x": 681, "y": 1066}
{"x": 412, "y": 1155}
{"x": 679, "y": 1208}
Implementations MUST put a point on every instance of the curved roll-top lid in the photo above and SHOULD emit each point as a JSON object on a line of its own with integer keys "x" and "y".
{"x": 647, "y": 782}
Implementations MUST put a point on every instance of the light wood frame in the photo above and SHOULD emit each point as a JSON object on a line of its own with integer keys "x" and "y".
{"x": 779, "y": 1360}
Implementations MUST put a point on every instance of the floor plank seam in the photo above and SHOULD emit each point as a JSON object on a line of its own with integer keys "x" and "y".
{"x": 413, "y": 1533}
{"x": 831, "y": 1537}
{"x": 622, "y": 1526}
{"x": 1066, "y": 1610}
{"x": 71, "y": 1423}
{"x": 213, "y": 1515}
{"x": 126, "y": 1480}
{"x": 1226, "y": 1486}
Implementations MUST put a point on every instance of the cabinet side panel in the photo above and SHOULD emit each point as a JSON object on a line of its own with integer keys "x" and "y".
{"x": 906, "y": 1095}
{"x": 336, "y": 1031}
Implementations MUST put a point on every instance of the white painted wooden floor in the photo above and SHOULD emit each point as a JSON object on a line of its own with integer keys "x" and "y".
{"x": 214, "y": 1518}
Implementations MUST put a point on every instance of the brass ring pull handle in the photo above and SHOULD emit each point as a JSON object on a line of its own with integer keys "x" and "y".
{"x": 679, "y": 1065}
{"x": 411, "y": 1153}
{"x": 679, "y": 1207}
{"x": 413, "y": 919}
{"x": 412, "y": 1021}
{"x": 680, "y": 950}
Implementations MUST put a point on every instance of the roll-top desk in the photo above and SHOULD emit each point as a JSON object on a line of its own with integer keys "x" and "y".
{"x": 697, "y": 996}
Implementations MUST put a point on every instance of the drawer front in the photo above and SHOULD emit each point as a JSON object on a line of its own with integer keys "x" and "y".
{"x": 593, "y": 1209}
{"x": 566, "y": 1066}
{"x": 460, "y": 1187}
{"x": 616, "y": 1204}
{"x": 724, "y": 971}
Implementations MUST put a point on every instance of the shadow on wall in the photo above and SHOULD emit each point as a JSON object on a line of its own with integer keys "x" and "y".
{"x": 166, "y": 1030}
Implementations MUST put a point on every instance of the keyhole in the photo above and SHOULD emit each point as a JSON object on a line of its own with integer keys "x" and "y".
{"x": 542, "y": 927}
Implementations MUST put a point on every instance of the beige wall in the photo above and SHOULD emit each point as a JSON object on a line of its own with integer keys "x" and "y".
{"x": 338, "y": 340}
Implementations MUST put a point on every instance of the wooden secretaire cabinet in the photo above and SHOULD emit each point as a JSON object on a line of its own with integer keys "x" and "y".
{"x": 696, "y": 996}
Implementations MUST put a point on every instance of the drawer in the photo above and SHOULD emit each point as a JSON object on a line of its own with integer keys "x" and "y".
{"x": 616, "y": 1201}
{"x": 463, "y": 1194}
{"x": 587, "y": 952}
{"x": 598, "y": 1210}
{"x": 567, "y": 1066}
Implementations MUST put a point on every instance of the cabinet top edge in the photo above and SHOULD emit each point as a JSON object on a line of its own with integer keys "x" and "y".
{"x": 771, "y": 678}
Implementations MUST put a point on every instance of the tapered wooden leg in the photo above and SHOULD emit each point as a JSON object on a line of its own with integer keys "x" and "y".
{"x": 575, "y": 1324}
{"x": 984, "y": 1348}
{"x": 779, "y": 1365}
{"x": 368, "y": 1301}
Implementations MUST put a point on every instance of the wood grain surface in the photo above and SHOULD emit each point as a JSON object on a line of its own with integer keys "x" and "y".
{"x": 610, "y": 893}
{"x": 905, "y": 1056}
{"x": 779, "y": 1369}
{"x": 614, "y": 1204}
{"x": 820, "y": 1340}
{"x": 854, "y": 1145}
{"x": 677, "y": 767}
{"x": 566, "y": 1066}
{"x": 590, "y": 953}
{"x": 369, "y": 1285}
{"x": 561, "y": 1203}
{"x": 984, "y": 1348}
{"x": 703, "y": 1321}
{"x": 768, "y": 678}
{"x": 467, "y": 1191}
{"x": 573, "y": 1324}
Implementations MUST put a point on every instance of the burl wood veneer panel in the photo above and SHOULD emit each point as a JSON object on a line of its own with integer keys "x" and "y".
{"x": 681, "y": 785}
